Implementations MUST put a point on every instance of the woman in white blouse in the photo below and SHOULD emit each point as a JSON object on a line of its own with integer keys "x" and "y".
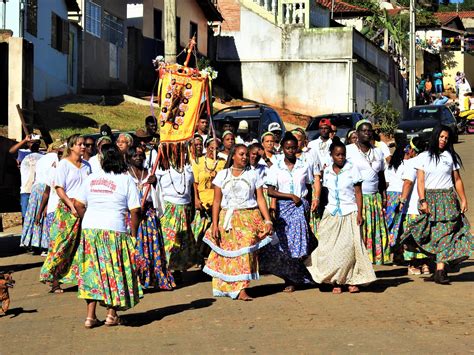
{"x": 288, "y": 180}
{"x": 177, "y": 188}
{"x": 238, "y": 229}
{"x": 442, "y": 230}
{"x": 370, "y": 162}
{"x": 71, "y": 173}
{"x": 341, "y": 257}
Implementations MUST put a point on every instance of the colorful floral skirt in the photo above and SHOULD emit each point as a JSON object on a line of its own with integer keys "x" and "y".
{"x": 411, "y": 251}
{"x": 233, "y": 262}
{"x": 374, "y": 230}
{"x": 32, "y": 234}
{"x": 341, "y": 257}
{"x": 151, "y": 257}
{"x": 201, "y": 223}
{"x": 292, "y": 228}
{"x": 180, "y": 246}
{"x": 445, "y": 232}
{"x": 394, "y": 216}
{"x": 64, "y": 240}
{"x": 107, "y": 270}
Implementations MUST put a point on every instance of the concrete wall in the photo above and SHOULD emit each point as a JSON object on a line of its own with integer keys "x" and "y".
{"x": 454, "y": 61}
{"x": 96, "y": 56}
{"x": 50, "y": 65}
{"x": 15, "y": 86}
{"x": 188, "y": 11}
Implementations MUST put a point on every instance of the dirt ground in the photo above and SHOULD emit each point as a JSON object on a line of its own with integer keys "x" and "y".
{"x": 397, "y": 314}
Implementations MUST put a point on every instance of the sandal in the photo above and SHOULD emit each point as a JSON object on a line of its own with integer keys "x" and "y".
{"x": 112, "y": 321}
{"x": 56, "y": 289}
{"x": 336, "y": 290}
{"x": 91, "y": 323}
{"x": 289, "y": 289}
{"x": 353, "y": 289}
{"x": 412, "y": 270}
{"x": 425, "y": 270}
{"x": 245, "y": 298}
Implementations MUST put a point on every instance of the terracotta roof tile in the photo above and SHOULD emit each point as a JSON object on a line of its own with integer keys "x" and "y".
{"x": 461, "y": 14}
{"x": 445, "y": 17}
{"x": 342, "y": 7}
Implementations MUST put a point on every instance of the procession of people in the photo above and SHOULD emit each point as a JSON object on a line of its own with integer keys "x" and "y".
{"x": 112, "y": 221}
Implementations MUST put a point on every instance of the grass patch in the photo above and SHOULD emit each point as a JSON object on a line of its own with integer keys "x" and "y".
{"x": 85, "y": 114}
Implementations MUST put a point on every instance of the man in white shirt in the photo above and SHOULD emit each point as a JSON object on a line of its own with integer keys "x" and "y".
{"x": 322, "y": 144}
{"x": 275, "y": 128}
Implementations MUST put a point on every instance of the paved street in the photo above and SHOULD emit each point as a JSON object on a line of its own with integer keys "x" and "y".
{"x": 397, "y": 314}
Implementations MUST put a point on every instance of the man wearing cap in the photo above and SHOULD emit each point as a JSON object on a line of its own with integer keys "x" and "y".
{"x": 322, "y": 144}
{"x": 243, "y": 136}
{"x": 275, "y": 128}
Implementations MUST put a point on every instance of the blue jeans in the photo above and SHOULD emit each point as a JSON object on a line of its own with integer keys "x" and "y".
{"x": 24, "y": 203}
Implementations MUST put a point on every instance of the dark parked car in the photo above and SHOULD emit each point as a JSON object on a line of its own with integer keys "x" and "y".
{"x": 257, "y": 116}
{"x": 419, "y": 121}
{"x": 343, "y": 121}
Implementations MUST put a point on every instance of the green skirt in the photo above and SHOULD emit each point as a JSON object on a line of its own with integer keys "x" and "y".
{"x": 374, "y": 230}
{"x": 180, "y": 246}
{"x": 445, "y": 232}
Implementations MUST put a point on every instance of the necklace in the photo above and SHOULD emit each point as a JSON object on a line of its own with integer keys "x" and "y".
{"x": 140, "y": 181}
{"x": 182, "y": 181}
{"x": 367, "y": 155}
{"x": 212, "y": 171}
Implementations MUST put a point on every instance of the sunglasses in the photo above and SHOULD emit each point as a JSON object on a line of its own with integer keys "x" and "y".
{"x": 88, "y": 145}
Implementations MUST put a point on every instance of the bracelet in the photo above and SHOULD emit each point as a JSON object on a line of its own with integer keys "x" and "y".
{"x": 269, "y": 222}
{"x": 421, "y": 201}
{"x": 403, "y": 200}
{"x": 316, "y": 198}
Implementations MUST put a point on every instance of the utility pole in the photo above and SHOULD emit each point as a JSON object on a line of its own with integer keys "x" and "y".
{"x": 412, "y": 59}
{"x": 170, "y": 31}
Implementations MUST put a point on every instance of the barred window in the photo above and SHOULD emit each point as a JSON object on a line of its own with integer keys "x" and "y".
{"x": 93, "y": 18}
{"x": 113, "y": 29}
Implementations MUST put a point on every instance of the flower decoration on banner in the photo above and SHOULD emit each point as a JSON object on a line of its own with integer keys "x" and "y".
{"x": 210, "y": 72}
{"x": 158, "y": 61}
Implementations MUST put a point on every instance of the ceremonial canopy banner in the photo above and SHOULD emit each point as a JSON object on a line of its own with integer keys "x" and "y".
{"x": 180, "y": 97}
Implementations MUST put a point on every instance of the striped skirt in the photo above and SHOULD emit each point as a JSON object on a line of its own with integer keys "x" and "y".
{"x": 374, "y": 230}
{"x": 445, "y": 232}
{"x": 233, "y": 262}
{"x": 64, "y": 240}
{"x": 106, "y": 269}
{"x": 180, "y": 246}
{"x": 32, "y": 233}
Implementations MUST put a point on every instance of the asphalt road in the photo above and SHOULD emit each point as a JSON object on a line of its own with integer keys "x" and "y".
{"x": 396, "y": 314}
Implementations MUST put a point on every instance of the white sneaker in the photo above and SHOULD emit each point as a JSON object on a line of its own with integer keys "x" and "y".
{"x": 44, "y": 254}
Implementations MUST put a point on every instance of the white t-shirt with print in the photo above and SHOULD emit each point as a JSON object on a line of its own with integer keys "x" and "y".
{"x": 369, "y": 166}
{"x": 70, "y": 177}
{"x": 438, "y": 175}
{"x": 341, "y": 192}
{"x": 291, "y": 182}
{"x": 238, "y": 191}
{"x": 44, "y": 166}
{"x": 27, "y": 171}
{"x": 176, "y": 186}
{"x": 394, "y": 177}
{"x": 108, "y": 198}
{"x": 409, "y": 173}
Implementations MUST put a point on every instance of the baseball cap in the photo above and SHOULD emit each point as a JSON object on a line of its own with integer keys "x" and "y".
{"x": 325, "y": 122}
{"x": 105, "y": 130}
{"x": 274, "y": 126}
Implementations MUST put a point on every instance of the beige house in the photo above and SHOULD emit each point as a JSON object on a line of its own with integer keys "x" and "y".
{"x": 192, "y": 18}
{"x": 146, "y": 34}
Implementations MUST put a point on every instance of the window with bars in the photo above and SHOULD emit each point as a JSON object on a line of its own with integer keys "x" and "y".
{"x": 93, "y": 18}
{"x": 32, "y": 17}
{"x": 113, "y": 29}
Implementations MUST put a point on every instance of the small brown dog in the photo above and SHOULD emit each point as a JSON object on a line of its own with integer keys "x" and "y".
{"x": 6, "y": 282}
